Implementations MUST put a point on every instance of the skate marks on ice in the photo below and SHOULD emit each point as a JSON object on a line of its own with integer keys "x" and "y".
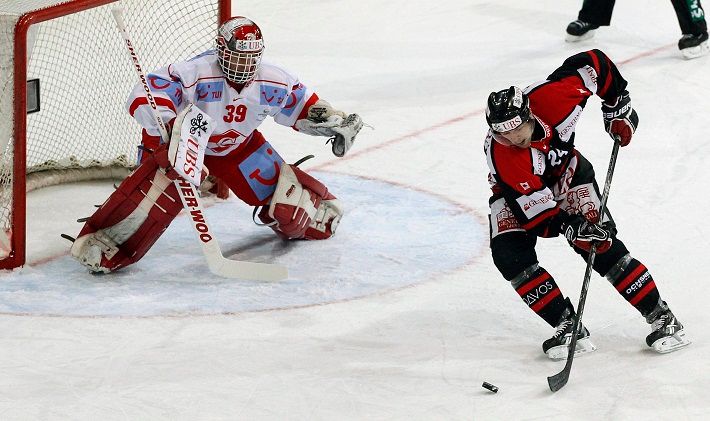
{"x": 391, "y": 237}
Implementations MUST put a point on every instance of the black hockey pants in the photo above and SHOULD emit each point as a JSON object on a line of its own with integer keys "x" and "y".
{"x": 514, "y": 251}
{"x": 690, "y": 14}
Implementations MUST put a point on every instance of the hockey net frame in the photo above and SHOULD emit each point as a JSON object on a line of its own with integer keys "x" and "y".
{"x": 22, "y": 23}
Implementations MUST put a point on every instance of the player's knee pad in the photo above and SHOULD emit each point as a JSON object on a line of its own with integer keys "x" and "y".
{"x": 302, "y": 207}
{"x": 513, "y": 252}
{"x": 131, "y": 220}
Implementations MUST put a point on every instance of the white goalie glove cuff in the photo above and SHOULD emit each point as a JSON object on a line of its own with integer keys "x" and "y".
{"x": 324, "y": 120}
{"x": 323, "y": 128}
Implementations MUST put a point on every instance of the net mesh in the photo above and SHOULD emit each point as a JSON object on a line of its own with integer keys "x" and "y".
{"x": 85, "y": 77}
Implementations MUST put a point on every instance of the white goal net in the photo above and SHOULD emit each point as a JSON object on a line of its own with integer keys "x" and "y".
{"x": 74, "y": 53}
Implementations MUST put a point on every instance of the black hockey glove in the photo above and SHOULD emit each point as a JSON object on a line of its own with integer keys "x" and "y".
{"x": 582, "y": 234}
{"x": 620, "y": 120}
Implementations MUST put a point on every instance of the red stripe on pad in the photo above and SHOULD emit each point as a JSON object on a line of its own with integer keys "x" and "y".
{"x": 630, "y": 278}
{"x": 533, "y": 284}
{"x": 644, "y": 291}
{"x": 542, "y": 303}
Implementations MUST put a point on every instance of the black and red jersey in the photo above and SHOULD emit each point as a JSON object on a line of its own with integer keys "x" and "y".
{"x": 525, "y": 177}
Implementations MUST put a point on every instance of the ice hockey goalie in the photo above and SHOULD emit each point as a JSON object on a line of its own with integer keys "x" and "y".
{"x": 238, "y": 91}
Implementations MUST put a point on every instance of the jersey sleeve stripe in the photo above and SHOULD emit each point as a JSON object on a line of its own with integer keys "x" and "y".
{"x": 144, "y": 101}
{"x": 304, "y": 112}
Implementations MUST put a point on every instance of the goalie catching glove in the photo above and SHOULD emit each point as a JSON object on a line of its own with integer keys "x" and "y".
{"x": 620, "y": 120}
{"x": 324, "y": 120}
{"x": 582, "y": 234}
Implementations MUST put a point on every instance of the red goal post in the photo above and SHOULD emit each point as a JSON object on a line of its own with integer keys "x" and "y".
{"x": 64, "y": 80}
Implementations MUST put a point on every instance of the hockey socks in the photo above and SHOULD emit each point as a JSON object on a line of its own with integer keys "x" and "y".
{"x": 540, "y": 292}
{"x": 634, "y": 282}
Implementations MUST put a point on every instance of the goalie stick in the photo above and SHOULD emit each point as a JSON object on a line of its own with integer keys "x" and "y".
{"x": 217, "y": 263}
{"x": 559, "y": 380}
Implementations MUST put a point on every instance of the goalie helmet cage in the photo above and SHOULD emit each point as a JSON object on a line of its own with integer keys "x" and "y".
{"x": 78, "y": 127}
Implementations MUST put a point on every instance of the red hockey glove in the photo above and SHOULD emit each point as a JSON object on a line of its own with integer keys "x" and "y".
{"x": 582, "y": 234}
{"x": 161, "y": 157}
{"x": 620, "y": 120}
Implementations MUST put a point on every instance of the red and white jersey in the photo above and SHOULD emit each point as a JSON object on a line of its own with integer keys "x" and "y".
{"x": 526, "y": 177}
{"x": 274, "y": 92}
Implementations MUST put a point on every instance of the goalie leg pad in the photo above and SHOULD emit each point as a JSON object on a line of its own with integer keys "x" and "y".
{"x": 130, "y": 221}
{"x": 326, "y": 221}
{"x": 302, "y": 207}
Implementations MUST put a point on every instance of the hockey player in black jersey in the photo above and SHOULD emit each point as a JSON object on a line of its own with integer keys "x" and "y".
{"x": 691, "y": 18}
{"x": 543, "y": 187}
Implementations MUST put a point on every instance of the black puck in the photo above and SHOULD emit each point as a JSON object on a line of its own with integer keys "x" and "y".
{"x": 491, "y": 387}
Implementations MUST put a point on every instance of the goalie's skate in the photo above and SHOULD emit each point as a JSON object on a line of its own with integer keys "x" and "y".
{"x": 95, "y": 251}
{"x": 557, "y": 347}
{"x": 667, "y": 335}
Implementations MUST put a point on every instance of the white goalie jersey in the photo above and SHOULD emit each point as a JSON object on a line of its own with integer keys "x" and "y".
{"x": 274, "y": 92}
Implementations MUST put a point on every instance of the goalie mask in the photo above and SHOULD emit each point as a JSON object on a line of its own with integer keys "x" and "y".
{"x": 239, "y": 49}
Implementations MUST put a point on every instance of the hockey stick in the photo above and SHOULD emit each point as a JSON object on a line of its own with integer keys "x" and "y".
{"x": 559, "y": 380}
{"x": 217, "y": 263}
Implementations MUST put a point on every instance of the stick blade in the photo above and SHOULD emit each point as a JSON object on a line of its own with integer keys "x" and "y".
{"x": 248, "y": 271}
{"x": 558, "y": 381}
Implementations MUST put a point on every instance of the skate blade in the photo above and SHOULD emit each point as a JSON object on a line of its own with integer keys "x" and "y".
{"x": 671, "y": 343}
{"x": 560, "y": 352}
{"x": 574, "y": 38}
{"x": 697, "y": 51}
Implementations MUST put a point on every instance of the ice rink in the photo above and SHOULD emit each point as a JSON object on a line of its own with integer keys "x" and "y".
{"x": 402, "y": 315}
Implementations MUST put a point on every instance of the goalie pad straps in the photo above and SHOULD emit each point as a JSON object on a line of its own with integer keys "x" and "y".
{"x": 301, "y": 207}
{"x": 131, "y": 220}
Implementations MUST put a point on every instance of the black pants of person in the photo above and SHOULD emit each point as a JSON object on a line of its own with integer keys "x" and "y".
{"x": 690, "y": 14}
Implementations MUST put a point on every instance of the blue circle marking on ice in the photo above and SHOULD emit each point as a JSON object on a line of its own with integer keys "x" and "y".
{"x": 391, "y": 237}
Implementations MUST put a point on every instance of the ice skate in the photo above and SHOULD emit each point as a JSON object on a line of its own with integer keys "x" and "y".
{"x": 580, "y": 30}
{"x": 694, "y": 46}
{"x": 557, "y": 347}
{"x": 667, "y": 335}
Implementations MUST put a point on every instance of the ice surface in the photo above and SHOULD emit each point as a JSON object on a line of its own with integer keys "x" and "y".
{"x": 419, "y": 73}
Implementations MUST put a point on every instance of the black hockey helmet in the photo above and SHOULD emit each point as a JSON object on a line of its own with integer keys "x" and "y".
{"x": 507, "y": 109}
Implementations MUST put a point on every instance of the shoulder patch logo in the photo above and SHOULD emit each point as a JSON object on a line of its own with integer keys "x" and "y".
{"x": 209, "y": 91}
